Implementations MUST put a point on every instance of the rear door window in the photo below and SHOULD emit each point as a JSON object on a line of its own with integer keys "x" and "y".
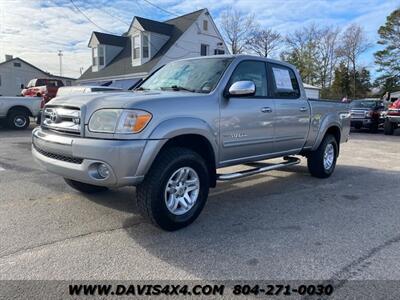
{"x": 284, "y": 82}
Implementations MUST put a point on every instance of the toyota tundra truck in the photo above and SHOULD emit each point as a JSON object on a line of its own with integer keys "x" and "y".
{"x": 172, "y": 135}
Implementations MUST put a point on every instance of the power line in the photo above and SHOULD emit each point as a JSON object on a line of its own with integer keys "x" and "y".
{"x": 160, "y": 8}
{"x": 90, "y": 20}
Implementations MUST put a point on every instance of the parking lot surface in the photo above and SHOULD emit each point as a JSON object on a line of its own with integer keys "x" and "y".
{"x": 279, "y": 225}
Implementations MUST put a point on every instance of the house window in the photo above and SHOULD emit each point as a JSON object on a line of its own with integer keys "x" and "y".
{"x": 94, "y": 56}
{"x": 204, "y": 49}
{"x": 101, "y": 56}
{"x": 145, "y": 46}
{"x": 98, "y": 56}
{"x": 219, "y": 52}
{"x": 205, "y": 25}
{"x": 17, "y": 64}
{"x": 136, "y": 46}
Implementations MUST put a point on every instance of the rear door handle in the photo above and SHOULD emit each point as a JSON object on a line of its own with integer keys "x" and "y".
{"x": 266, "y": 109}
{"x": 303, "y": 109}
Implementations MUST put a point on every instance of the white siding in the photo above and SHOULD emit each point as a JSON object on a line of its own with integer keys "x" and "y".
{"x": 312, "y": 93}
{"x": 188, "y": 45}
{"x": 12, "y": 77}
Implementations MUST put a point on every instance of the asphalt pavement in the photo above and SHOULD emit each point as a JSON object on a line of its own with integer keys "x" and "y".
{"x": 280, "y": 225}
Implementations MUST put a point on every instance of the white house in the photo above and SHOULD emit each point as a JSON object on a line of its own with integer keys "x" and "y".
{"x": 147, "y": 45}
{"x": 312, "y": 92}
{"x": 15, "y": 73}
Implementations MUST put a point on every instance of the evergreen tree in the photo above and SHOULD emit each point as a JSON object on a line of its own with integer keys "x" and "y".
{"x": 388, "y": 59}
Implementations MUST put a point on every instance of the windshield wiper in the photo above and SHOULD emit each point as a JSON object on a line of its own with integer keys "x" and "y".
{"x": 178, "y": 88}
{"x": 141, "y": 89}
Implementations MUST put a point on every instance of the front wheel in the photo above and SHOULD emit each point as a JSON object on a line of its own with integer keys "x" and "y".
{"x": 321, "y": 162}
{"x": 388, "y": 127}
{"x": 18, "y": 119}
{"x": 175, "y": 189}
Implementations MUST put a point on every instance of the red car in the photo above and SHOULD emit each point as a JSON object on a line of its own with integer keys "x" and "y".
{"x": 392, "y": 121}
{"x": 46, "y": 88}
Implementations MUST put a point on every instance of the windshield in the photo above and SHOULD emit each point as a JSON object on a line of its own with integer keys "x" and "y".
{"x": 195, "y": 75}
{"x": 363, "y": 104}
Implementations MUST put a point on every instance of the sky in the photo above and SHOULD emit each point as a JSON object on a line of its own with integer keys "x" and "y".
{"x": 36, "y": 29}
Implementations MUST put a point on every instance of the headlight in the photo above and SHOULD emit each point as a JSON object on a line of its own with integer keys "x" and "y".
{"x": 119, "y": 121}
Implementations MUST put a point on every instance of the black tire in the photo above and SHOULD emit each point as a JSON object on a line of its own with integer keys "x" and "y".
{"x": 151, "y": 192}
{"x": 388, "y": 127}
{"x": 18, "y": 119}
{"x": 374, "y": 127}
{"x": 315, "y": 159}
{"x": 85, "y": 187}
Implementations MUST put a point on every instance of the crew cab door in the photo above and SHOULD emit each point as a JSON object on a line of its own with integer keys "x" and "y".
{"x": 247, "y": 122}
{"x": 292, "y": 110}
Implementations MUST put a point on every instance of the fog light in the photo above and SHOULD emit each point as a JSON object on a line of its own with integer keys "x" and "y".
{"x": 103, "y": 171}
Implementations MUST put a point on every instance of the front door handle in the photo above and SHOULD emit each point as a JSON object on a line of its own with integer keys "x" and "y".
{"x": 303, "y": 109}
{"x": 266, "y": 109}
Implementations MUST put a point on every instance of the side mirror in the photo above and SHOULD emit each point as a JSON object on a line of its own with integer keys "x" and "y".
{"x": 242, "y": 88}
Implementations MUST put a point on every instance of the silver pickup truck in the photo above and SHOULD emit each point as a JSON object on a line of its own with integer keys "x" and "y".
{"x": 16, "y": 111}
{"x": 183, "y": 123}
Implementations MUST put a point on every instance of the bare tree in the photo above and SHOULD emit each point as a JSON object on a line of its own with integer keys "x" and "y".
{"x": 238, "y": 29}
{"x": 302, "y": 51}
{"x": 353, "y": 44}
{"x": 327, "y": 54}
{"x": 265, "y": 41}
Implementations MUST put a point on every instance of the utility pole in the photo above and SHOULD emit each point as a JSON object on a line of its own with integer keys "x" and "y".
{"x": 60, "y": 54}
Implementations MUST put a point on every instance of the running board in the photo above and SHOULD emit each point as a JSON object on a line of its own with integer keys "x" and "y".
{"x": 230, "y": 176}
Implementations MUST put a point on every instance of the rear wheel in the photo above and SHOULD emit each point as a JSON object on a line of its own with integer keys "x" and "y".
{"x": 85, "y": 187}
{"x": 175, "y": 189}
{"x": 321, "y": 162}
{"x": 388, "y": 128}
{"x": 18, "y": 119}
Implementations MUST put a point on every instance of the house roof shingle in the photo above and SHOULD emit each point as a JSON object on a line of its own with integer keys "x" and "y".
{"x": 122, "y": 63}
{"x": 110, "y": 39}
{"x": 155, "y": 26}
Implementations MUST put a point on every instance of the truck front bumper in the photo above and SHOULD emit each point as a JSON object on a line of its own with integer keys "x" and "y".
{"x": 78, "y": 158}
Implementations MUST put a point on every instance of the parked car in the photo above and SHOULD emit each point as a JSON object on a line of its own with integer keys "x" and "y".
{"x": 392, "y": 119}
{"x": 42, "y": 87}
{"x": 185, "y": 121}
{"x": 16, "y": 111}
{"x": 367, "y": 113}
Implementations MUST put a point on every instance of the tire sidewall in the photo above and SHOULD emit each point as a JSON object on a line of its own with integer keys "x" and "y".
{"x": 329, "y": 140}
{"x": 161, "y": 212}
{"x": 14, "y": 115}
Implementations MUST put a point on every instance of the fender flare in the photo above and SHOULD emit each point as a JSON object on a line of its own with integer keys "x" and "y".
{"x": 172, "y": 128}
{"x": 327, "y": 123}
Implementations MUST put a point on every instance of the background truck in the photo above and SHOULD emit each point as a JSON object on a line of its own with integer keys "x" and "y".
{"x": 392, "y": 118}
{"x": 42, "y": 87}
{"x": 182, "y": 124}
{"x": 367, "y": 113}
{"x": 16, "y": 111}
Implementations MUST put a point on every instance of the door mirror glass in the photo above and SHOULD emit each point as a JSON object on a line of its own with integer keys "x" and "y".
{"x": 242, "y": 88}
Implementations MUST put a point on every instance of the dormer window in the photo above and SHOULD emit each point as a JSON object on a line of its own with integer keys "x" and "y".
{"x": 145, "y": 46}
{"x": 98, "y": 56}
{"x": 136, "y": 46}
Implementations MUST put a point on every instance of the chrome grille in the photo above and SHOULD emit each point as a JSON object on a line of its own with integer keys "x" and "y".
{"x": 70, "y": 159}
{"x": 62, "y": 119}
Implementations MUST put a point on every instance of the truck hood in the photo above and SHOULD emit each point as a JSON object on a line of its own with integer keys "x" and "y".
{"x": 90, "y": 102}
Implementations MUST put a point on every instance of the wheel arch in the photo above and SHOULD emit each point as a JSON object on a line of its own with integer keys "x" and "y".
{"x": 19, "y": 108}
{"x": 333, "y": 129}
